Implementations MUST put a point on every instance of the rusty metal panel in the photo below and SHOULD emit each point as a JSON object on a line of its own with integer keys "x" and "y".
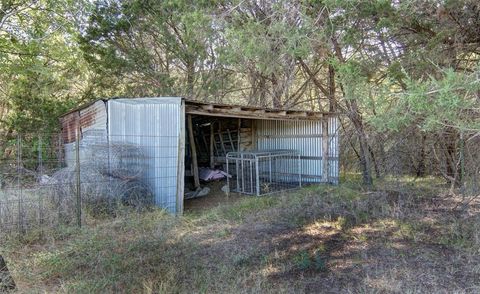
{"x": 94, "y": 117}
{"x": 155, "y": 125}
{"x": 305, "y": 137}
{"x": 91, "y": 118}
{"x": 68, "y": 124}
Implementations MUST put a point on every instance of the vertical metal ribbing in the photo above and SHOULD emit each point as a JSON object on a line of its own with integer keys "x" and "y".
{"x": 236, "y": 174}
{"x": 228, "y": 178}
{"x": 40, "y": 167}
{"x": 257, "y": 176}
{"x": 243, "y": 175}
{"x": 299, "y": 171}
{"x": 270, "y": 168}
{"x": 251, "y": 175}
{"x": 60, "y": 153}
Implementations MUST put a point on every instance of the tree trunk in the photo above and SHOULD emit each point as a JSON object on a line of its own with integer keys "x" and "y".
{"x": 190, "y": 79}
{"x": 331, "y": 89}
{"x": 6, "y": 281}
{"x": 365, "y": 164}
{"x": 364, "y": 158}
{"x": 276, "y": 92}
{"x": 453, "y": 168}
{"x": 375, "y": 164}
{"x": 421, "y": 168}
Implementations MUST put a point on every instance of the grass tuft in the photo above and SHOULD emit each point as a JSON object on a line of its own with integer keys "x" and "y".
{"x": 344, "y": 238}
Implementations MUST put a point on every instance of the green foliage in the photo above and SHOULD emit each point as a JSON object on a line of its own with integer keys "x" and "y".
{"x": 42, "y": 71}
{"x": 266, "y": 42}
{"x": 152, "y": 47}
{"x": 434, "y": 103}
{"x": 304, "y": 261}
{"x": 411, "y": 65}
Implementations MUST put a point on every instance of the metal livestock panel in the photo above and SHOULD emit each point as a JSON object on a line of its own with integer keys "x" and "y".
{"x": 156, "y": 125}
{"x": 304, "y": 136}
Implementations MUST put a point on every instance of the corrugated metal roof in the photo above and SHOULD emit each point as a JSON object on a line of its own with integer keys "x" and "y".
{"x": 219, "y": 109}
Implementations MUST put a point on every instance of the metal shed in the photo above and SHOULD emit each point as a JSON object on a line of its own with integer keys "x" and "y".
{"x": 159, "y": 126}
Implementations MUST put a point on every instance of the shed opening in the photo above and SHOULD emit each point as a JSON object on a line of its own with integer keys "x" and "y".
{"x": 208, "y": 141}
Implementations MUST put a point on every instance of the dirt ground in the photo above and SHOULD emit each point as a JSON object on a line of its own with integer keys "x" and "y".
{"x": 215, "y": 198}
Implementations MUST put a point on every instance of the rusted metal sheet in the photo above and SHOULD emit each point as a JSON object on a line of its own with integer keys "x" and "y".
{"x": 94, "y": 117}
{"x": 69, "y": 124}
{"x": 91, "y": 118}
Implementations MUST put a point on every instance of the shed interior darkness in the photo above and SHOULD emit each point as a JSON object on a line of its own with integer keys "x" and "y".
{"x": 213, "y": 138}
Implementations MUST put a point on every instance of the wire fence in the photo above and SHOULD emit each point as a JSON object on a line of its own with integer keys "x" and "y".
{"x": 451, "y": 156}
{"x": 47, "y": 181}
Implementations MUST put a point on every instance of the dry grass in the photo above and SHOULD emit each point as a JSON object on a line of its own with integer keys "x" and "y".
{"x": 402, "y": 238}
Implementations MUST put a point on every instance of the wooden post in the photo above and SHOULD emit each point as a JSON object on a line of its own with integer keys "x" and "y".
{"x": 254, "y": 134}
{"x": 221, "y": 138}
{"x": 230, "y": 139}
{"x": 239, "y": 137}
{"x": 325, "y": 139}
{"x": 461, "y": 179}
{"x": 193, "y": 149}
{"x": 21, "y": 227}
{"x": 6, "y": 281}
{"x": 212, "y": 142}
{"x": 181, "y": 163}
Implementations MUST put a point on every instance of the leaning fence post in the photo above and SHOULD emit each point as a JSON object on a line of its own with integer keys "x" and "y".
{"x": 462, "y": 162}
{"x": 77, "y": 174}
{"x": 19, "y": 184}
{"x": 6, "y": 281}
{"x": 40, "y": 155}
{"x": 40, "y": 170}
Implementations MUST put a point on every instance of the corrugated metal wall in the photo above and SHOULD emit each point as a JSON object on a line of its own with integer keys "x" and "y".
{"x": 93, "y": 127}
{"x": 93, "y": 117}
{"x": 334, "y": 149}
{"x": 306, "y": 137}
{"x": 155, "y": 124}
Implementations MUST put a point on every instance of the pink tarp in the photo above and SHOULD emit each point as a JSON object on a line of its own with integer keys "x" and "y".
{"x": 208, "y": 174}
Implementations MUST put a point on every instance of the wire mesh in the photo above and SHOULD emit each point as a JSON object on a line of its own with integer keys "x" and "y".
{"x": 263, "y": 172}
{"x": 41, "y": 178}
